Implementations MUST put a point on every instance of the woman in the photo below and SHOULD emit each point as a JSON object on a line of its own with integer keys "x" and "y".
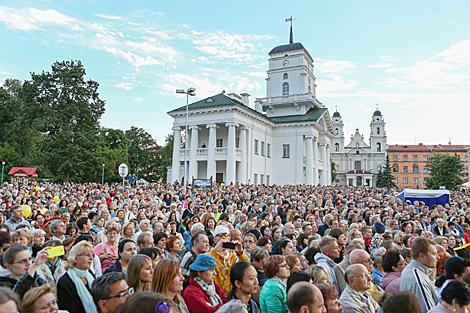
{"x": 8, "y": 301}
{"x": 454, "y": 298}
{"x": 294, "y": 263}
{"x": 273, "y": 294}
{"x": 40, "y": 299}
{"x": 128, "y": 230}
{"x": 98, "y": 224}
{"x": 393, "y": 264}
{"x": 73, "y": 288}
{"x": 244, "y": 279}
{"x": 173, "y": 248}
{"x": 455, "y": 269}
{"x": 159, "y": 240}
{"x": 140, "y": 272}
{"x": 402, "y": 302}
{"x": 286, "y": 247}
{"x": 168, "y": 280}
{"x": 39, "y": 237}
{"x": 266, "y": 244}
{"x": 54, "y": 267}
{"x": 203, "y": 295}
{"x": 317, "y": 275}
{"x": 148, "y": 302}
{"x": 330, "y": 298}
{"x": 107, "y": 250}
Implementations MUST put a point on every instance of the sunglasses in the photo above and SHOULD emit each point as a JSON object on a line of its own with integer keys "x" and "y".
{"x": 162, "y": 307}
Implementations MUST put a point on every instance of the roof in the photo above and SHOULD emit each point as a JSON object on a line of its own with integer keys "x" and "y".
{"x": 428, "y": 148}
{"x": 27, "y": 170}
{"x": 377, "y": 113}
{"x": 221, "y": 99}
{"x": 358, "y": 172}
{"x": 289, "y": 47}
{"x": 336, "y": 114}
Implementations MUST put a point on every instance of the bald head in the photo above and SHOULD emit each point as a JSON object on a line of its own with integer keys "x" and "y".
{"x": 358, "y": 256}
{"x": 236, "y": 235}
{"x": 358, "y": 277}
{"x": 305, "y": 294}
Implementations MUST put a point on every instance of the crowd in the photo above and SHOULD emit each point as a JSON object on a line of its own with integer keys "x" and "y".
{"x": 156, "y": 248}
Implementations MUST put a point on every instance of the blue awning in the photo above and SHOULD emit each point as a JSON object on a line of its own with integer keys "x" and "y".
{"x": 430, "y": 197}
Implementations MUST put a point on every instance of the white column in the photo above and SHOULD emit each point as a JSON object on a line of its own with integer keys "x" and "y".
{"x": 323, "y": 176}
{"x": 299, "y": 166}
{"x": 309, "y": 157}
{"x": 193, "y": 153}
{"x": 243, "y": 163}
{"x": 175, "y": 162}
{"x": 230, "y": 169}
{"x": 315, "y": 155}
{"x": 211, "y": 165}
{"x": 249, "y": 157}
{"x": 328, "y": 160}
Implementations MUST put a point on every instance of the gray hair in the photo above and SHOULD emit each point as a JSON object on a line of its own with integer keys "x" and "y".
{"x": 197, "y": 226}
{"x": 37, "y": 231}
{"x": 233, "y": 306}
{"x": 377, "y": 254}
{"x": 54, "y": 224}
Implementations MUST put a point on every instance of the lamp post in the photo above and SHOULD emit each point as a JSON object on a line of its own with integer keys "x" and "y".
{"x": 189, "y": 92}
{"x": 3, "y": 169}
{"x": 102, "y": 174}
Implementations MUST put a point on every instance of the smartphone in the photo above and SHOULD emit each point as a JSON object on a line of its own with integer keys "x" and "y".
{"x": 229, "y": 245}
{"x": 55, "y": 252}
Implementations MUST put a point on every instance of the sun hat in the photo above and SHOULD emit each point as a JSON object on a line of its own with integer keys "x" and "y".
{"x": 221, "y": 229}
{"x": 203, "y": 262}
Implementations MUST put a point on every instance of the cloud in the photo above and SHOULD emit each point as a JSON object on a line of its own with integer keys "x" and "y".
{"x": 124, "y": 85}
{"x": 109, "y": 17}
{"x": 334, "y": 66}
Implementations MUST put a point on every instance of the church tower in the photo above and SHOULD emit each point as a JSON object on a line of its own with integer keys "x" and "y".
{"x": 338, "y": 139}
{"x": 378, "y": 137}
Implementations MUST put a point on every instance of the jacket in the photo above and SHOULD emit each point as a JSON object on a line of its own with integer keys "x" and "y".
{"x": 224, "y": 264}
{"x": 339, "y": 270}
{"x": 354, "y": 302}
{"x": 22, "y": 285}
{"x": 51, "y": 278}
{"x": 197, "y": 300}
{"x": 416, "y": 278}
{"x": 391, "y": 282}
{"x": 67, "y": 295}
{"x": 273, "y": 297}
{"x": 328, "y": 265}
{"x": 116, "y": 267}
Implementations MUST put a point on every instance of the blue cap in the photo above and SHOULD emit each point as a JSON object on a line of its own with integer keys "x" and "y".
{"x": 203, "y": 262}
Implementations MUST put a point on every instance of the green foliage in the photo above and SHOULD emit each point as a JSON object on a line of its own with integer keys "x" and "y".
{"x": 444, "y": 171}
{"x": 333, "y": 172}
{"x": 165, "y": 157}
{"x": 385, "y": 178}
{"x": 143, "y": 151}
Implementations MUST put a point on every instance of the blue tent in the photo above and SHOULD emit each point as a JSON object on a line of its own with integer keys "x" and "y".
{"x": 430, "y": 197}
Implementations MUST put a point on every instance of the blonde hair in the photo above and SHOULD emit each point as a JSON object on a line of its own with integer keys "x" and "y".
{"x": 80, "y": 247}
{"x": 316, "y": 273}
{"x": 163, "y": 274}
{"x": 22, "y": 232}
{"x": 30, "y": 298}
{"x": 133, "y": 272}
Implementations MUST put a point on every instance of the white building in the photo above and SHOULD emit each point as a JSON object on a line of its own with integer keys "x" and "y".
{"x": 358, "y": 163}
{"x": 285, "y": 139}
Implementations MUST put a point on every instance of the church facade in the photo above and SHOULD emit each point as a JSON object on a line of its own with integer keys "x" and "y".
{"x": 286, "y": 138}
{"x": 358, "y": 163}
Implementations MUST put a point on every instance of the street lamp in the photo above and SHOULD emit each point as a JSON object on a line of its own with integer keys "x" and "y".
{"x": 102, "y": 174}
{"x": 3, "y": 169}
{"x": 190, "y": 92}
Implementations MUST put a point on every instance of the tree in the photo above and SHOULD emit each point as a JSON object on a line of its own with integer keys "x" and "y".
{"x": 385, "y": 178}
{"x": 112, "y": 152}
{"x": 444, "y": 171}
{"x": 333, "y": 173}
{"x": 165, "y": 157}
{"x": 142, "y": 151}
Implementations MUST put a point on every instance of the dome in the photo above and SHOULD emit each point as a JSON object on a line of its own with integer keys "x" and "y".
{"x": 336, "y": 114}
{"x": 377, "y": 113}
{"x": 288, "y": 48}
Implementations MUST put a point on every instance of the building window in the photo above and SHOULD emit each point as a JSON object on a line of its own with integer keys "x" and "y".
{"x": 395, "y": 168}
{"x": 269, "y": 150}
{"x": 357, "y": 165}
{"x": 415, "y": 158}
{"x": 426, "y": 170}
{"x": 405, "y": 169}
{"x": 379, "y": 147}
{"x": 415, "y": 169}
{"x": 261, "y": 179}
{"x": 255, "y": 179}
{"x": 237, "y": 142}
{"x": 350, "y": 182}
{"x": 395, "y": 157}
{"x": 357, "y": 144}
{"x": 415, "y": 180}
{"x": 286, "y": 151}
{"x": 405, "y": 158}
{"x": 256, "y": 146}
{"x": 219, "y": 143}
{"x": 378, "y": 130}
{"x": 426, "y": 157}
{"x": 336, "y": 147}
{"x": 285, "y": 89}
{"x": 285, "y": 76}
{"x": 267, "y": 179}
{"x": 336, "y": 131}
{"x": 262, "y": 148}
{"x": 405, "y": 180}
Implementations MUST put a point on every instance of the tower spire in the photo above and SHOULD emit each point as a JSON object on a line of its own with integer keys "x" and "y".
{"x": 291, "y": 35}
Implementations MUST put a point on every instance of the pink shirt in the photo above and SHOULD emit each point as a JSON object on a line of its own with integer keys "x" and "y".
{"x": 101, "y": 249}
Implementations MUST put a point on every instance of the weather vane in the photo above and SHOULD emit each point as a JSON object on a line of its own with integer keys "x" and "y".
{"x": 291, "y": 37}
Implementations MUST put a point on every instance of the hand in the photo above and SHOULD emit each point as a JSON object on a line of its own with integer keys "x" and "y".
{"x": 40, "y": 259}
{"x": 219, "y": 246}
{"x": 238, "y": 248}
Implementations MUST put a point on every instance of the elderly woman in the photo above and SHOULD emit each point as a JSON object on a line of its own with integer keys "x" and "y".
{"x": 40, "y": 299}
{"x": 393, "y": 264}
{"x": 107, "y": 250}
{"x": 73, "y": 288}
{"x": 203, "y": 294}
{"x": 273, "y": 295}
{"x": 173, "y": 248}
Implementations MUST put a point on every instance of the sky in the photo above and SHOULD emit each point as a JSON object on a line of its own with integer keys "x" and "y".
{"x": 410, "y": 59}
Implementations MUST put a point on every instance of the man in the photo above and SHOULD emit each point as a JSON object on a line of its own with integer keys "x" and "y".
{"x": 341, "y": 267}
{"x": 196, "y": 228}
{"x": 355, "y": 298}
{"x": 328, "y": 219}
{"x": 57, "y": 228}
{"x": 144, "y": 227}
{"x": 127, "y": 248}
{"x": 83, "y": 225}
{"x": 417, "y": 276}
{"x": 329, "y": 250}
{"x": 225, "y": 258}
{"x": 16, "y": 218}
{"x": 145, "y": 240}
{"x": 305, "y": 297}
{"x": 110, "y": 291}
{"x": 199, "y": 245}
{"x": 289, "y": 230}
{"x": 307, "y": 229}
{"x": 362, "y": 257}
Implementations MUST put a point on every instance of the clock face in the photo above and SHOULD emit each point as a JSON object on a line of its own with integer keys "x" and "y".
{"x": 285, "y": 62}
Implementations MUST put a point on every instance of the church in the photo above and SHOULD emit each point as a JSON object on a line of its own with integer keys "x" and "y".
{"x": 286, "y": 138}
{"x": 358, "y": 163}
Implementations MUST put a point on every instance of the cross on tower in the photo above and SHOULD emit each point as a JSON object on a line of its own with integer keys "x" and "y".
{"x": 291, "y": 36}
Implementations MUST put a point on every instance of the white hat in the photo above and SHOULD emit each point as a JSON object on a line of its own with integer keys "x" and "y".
{"x": 221, "y": 229}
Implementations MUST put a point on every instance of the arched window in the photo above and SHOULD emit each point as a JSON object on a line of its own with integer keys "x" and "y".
{"x": 285, "y": 89}
{"x": 379, "y": 147}
{"x": 336, "y": 131}
{"x": 285, "y": 76}
{"x": 336, "y": 147}
{"x": 378, "y": 130}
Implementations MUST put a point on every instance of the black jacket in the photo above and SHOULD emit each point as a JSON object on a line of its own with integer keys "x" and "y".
{"x": 116, "y": 267}
{"x": 67, "y": 295}
{"x": 22, "y": 285}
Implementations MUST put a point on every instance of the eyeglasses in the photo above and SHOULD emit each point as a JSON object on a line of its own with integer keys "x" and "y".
{"x": 122, "y": 294}
{"x": 162, "y": 307}
{"x": 363, "y": 275}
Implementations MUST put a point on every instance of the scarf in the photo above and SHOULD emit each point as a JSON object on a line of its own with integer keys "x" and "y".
{"x": 210, "y": 291}
{"x": 83, "y": 293}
